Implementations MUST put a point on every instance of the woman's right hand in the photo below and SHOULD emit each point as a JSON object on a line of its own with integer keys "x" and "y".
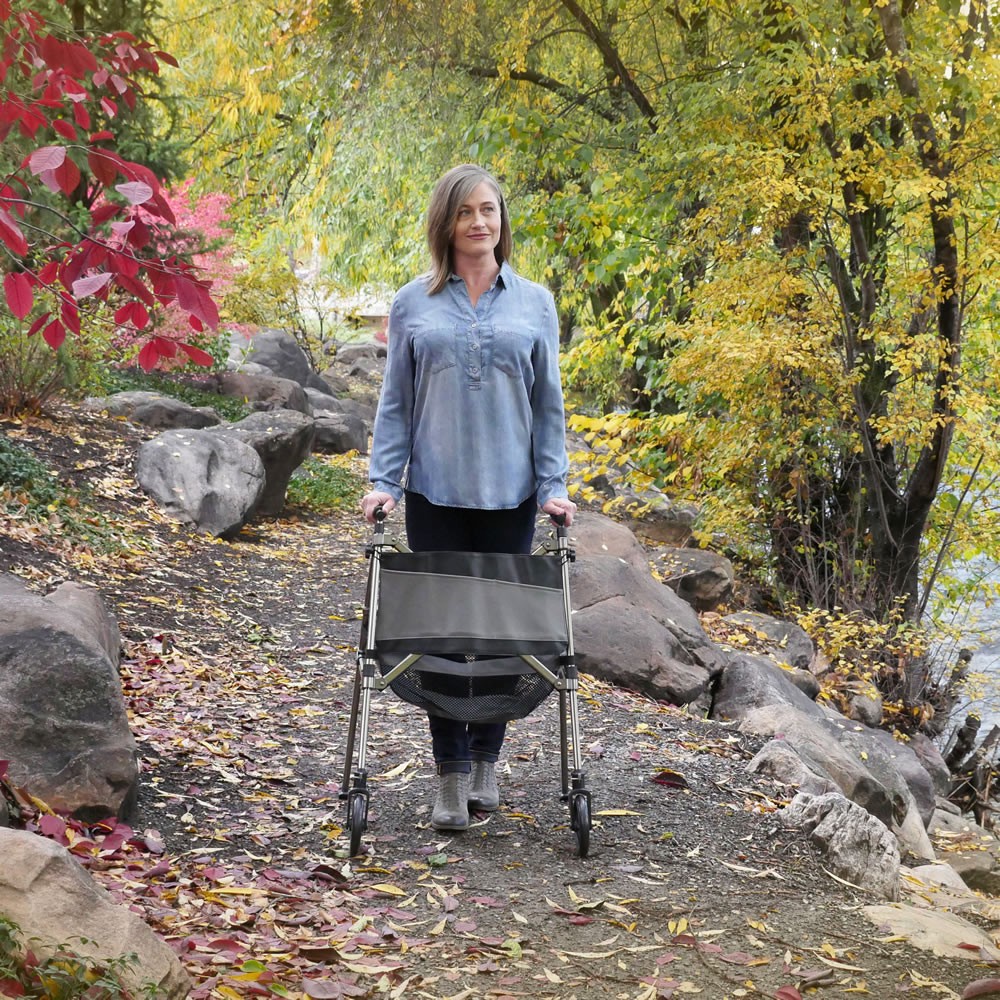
{"x": 370, "y": 502}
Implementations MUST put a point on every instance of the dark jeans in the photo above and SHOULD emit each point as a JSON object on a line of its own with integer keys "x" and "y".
{"x": 430, "y": 528}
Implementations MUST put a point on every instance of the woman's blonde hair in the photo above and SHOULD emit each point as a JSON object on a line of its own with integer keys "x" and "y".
{"x": 449, "y": 194}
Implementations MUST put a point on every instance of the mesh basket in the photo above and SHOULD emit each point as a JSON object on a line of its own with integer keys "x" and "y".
{"x": 463, "y": 691}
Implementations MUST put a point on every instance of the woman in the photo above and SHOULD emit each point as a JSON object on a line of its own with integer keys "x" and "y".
{"x": 472, "y": 410}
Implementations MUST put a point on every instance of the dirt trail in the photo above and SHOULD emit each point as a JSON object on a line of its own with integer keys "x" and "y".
{"x": 238, "y": 677}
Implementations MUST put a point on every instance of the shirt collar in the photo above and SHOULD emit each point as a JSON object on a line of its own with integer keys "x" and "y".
{"x": 502, "y": 280}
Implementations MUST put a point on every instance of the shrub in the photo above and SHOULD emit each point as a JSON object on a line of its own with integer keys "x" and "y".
{"x": 63, "y": 975}
{"x": 31, "y": 374}
{"x": 325, "y": 485}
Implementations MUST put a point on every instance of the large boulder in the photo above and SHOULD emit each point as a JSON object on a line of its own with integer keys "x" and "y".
{"x": 283, "y": 440}
{"x": 787, "y": 642}
{"x": 264, "y": 392}
{"x": 279, "y": 353}
{"x": 349, "y": 354}
{"x": 654, "y": 517}
{"x": 337, "y": 433}
{"x": 703, "y": 579}
{"x": 153, "y": 409}
{"x": 856, "y": 846}
{"x": 598, "y": 535}
{"x": 53, "y": 901}
{"x": 867, "y": 765}
{"x": 631, "y": 630}
{"x": 63, "y": 722}
{"x": 202, "y": 478}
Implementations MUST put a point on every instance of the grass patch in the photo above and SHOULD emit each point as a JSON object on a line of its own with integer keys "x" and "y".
{"x": 63, "y": 975}
{"x": 28, "y": 487}
{"x": 134, "y": 380}
{"x": 324, "y": 485}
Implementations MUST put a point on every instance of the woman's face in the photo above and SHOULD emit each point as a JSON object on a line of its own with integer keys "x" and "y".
{"x": 477, "y": 225}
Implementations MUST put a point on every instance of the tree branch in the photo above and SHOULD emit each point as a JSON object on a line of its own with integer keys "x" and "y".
{"x": 543, "y": 81}
{"x": 612, "y": 60}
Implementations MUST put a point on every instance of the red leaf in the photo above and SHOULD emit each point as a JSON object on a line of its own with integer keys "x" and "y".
{"x": 46, "y": 158}
{"x": 197, "y": 355}
{"x": 148, "y": 356}
{"x": 787, "y": 993}
{"x": 38, "y": 324}
{"x": 81, "y": 116}
{"x": 136, "y": 288}
{"x": 167, "y": 58}
{"x": 134, "y": 313}
{"x": 90, "y": 285}
{"x": 11, "y": 234}
{"x": 48, "y": 273}
{"x": 70, "y": 316}
{"x": 102, "y": 135}
{"x": 123, "y": 263}
{"x": 65, "y": 129}
{"x": 981, "y": 988}
{"x": 54, "y": 334}
{"x": 67, "y": 176}
{"x": 20, "y": 297}
{"x": 103, "y": 165}
{"x": 109, "y": 107}
{"x": 135, "y": 192}
{"x": 193, "y": 298}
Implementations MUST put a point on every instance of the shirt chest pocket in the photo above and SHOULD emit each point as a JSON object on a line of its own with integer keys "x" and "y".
{"x": 510, "y": 351}
{"x": 436, "y": 349}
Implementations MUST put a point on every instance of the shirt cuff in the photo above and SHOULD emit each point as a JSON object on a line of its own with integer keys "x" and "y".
{"x": 396, "y": 492}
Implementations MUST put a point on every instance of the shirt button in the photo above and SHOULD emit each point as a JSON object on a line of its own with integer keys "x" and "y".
{"x": 475, "y": 347}
{"x": 475, "y": 371}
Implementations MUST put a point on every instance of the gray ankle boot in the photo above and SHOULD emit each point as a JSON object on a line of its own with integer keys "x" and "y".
{"x": 451, "y": 808}
{"x": 483, "y": 792}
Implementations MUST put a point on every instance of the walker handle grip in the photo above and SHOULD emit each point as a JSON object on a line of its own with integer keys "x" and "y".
{"x": 379, "y": 513}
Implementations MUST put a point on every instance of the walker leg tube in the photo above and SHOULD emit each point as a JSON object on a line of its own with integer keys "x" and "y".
{"x": 563, "y": 744}
{"x": 351, "y": 730}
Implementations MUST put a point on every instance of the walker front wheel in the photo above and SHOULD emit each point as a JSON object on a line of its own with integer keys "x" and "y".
{"x": 579, "y": 814}
{"x": 357, "y": 819}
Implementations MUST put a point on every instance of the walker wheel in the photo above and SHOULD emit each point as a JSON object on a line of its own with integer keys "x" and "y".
{"x": 357, "y": 819}
{"x": 579, "y": 812}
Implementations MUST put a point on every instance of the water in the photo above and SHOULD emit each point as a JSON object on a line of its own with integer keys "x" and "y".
{"x": 978, "y": 625}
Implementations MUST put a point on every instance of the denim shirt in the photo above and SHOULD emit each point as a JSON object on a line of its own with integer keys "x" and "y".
{"x": 471, "y": 403}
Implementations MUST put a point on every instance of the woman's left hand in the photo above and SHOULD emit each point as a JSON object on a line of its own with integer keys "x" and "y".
{"x": 560, "y": 506}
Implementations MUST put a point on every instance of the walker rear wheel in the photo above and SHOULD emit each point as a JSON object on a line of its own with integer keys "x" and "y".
{"x": 579, "y": 812}
{"x": 357, "y": 819}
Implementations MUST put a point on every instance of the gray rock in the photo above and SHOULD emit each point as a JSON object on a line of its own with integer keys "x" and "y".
{"x": 806, "y": 734}
{"x": 930, "y": 756}
{"x": 750, "y": 682}
{"x": 63, "y": 723}
{"x": 86, "y": 604}
{"x": 656, "y": 518}
{"x": 159, "y": 412}
{"x": 632, "y": 631}
{"x": 944, "y": 934}
{"x": 4, "y": 812}
{"x": 597, "y": 579}
{"x": 857, "y": 847}
{"x": 202, "y": 478}
{"x": 358, "y": 408}
{"x": 596, "y": 535}
{"x": 280, "y": 353}
{"x": 703, "y": 579}
{"x": 779, "y": 762}
{"x": 264, "y": 392}
{"x": 46, "y": 892}
{"x": 789, "y": 643}
{"x": 865, "y": 708}
{"x": 348, "y": 354}
{"x": 283, "y": 440}
{"x": 337, "y": 433}
{"x": 620, "y": 643}
{"x": 336, "y": 378}
{"x": 367, "y": 368}
{"x": 323, "y": 402}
